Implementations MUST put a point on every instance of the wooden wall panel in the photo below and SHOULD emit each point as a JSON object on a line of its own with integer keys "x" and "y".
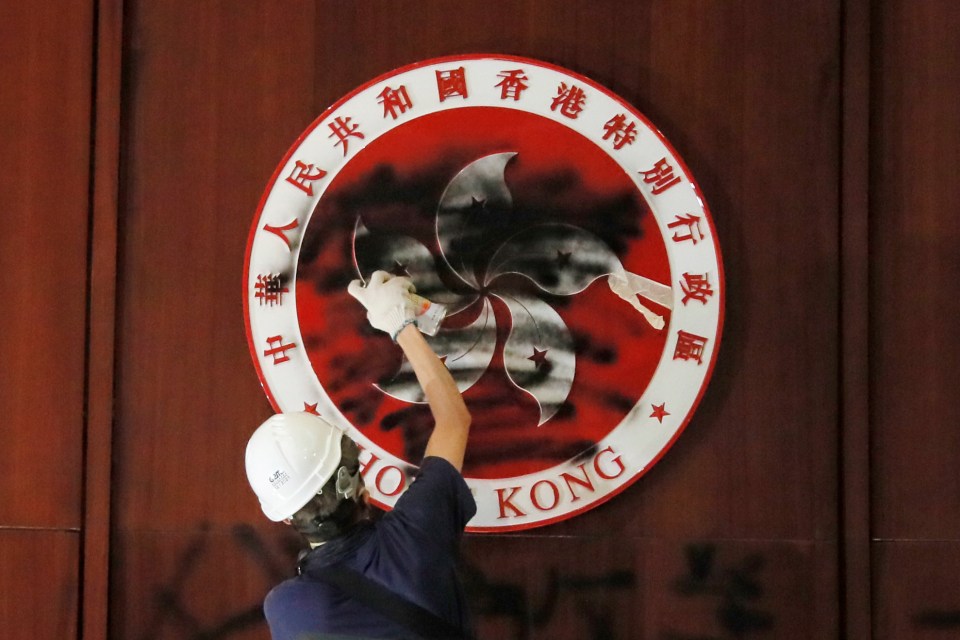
{"x": 854, "y": 394}
{"x": 916, "y": 354}
{"x": 748, "y": 95}
{"x": 46, "y": 65}
{"x": 916, "y": 593}
{"x": 617, "y": 588}
{"x": 45, "y": 52}
{"x": 216, "y": 92}
{"x": 101, "y": 327}
{"x": 39, "y": 585}
{"x": 198, "y": 582}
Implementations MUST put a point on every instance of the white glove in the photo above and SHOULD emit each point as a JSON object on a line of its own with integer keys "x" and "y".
{"x": 387, "y": 300}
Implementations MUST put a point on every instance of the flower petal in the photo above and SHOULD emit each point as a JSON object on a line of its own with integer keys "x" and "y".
{"x": 539, "y": 356}
{"x": 559, "y": 258}
{"x": 403, "y": 255}
{"x": 564, "y": 260}
{"x": 467, "y": 352}
{"x": 478, "y": 188}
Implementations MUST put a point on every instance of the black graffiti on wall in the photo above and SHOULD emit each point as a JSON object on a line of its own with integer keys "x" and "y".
{"x": 589, "y": 595}
{"x": 737, "y": 590}
{"x": 597, "y": 598}
{"x": 173, "y": 610}
{"x": 937, "y": 619}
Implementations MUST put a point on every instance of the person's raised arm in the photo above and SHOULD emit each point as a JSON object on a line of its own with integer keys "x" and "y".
{"x": 391, "y": 309}
{"x": 451, "y": 417}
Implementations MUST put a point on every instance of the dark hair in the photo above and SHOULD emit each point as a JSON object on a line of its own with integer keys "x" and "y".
{"x": 328, "y": 515}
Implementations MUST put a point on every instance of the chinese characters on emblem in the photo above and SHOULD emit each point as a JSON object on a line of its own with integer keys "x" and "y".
{"x": 342, "y": 129}
{"x": 278, "y": 350}
{"x": 395, "y": 101}
{"x": 269, "y": 289}
{"x": 695, "y": 286}
{"x": 689, "y": 347}
{"x": 279, "y": 231}
{"x": 623, "y": 133}
{"x": 302, "y": 174}
{"x": 661, "y": 176}
{"x": 451, "y": 83}
{"x": 570, "y": 100}
{"x": 512, "y": 84}
{"x": 692, "y": 223}
{"x": 686, "y": 229}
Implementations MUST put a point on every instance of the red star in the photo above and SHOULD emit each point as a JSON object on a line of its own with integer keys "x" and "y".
{"x": 539, "y": 358}
{"x": 311, "y": 408}
{"x": 659, "y": 412}
{"x": 399, "y": 269}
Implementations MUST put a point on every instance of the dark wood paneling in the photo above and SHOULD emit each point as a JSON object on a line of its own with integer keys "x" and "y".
{"x": 916, "y": 594}
{"x": 38, "y": 585}
{"x": 215, "y": 94}
{"x": 854, "y": 322}
{"x": 517, "y": 586}
{"x": 199, "y": 582}
{"x": 637, "y": 588}
{"x": 749, "y": 96}
{"x": 45, "y": 53}
{"x": 725, "y": 87}
{"x": 102, "y": 320}
{"x": 915, "y": 354}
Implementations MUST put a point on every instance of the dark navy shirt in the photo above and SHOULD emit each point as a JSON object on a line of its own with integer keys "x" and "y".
{"x": 412, "y": 550}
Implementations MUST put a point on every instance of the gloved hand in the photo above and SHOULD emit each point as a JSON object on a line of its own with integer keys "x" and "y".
{"x": 388, "y": 301}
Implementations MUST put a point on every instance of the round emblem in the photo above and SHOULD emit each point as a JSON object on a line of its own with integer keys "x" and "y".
{"x": 569, "y": 243}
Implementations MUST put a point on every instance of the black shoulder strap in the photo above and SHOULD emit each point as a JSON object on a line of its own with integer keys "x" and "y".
{"x": 394, "y": 606}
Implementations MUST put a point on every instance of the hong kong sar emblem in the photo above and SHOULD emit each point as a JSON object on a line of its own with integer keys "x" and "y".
{"x": 569, "y": 242}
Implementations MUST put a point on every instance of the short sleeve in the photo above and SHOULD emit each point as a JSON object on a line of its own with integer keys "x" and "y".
{"x": 438, "y": 504}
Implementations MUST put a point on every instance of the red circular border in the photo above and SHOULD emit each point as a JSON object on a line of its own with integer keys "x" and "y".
{"x": 686, "y": 172}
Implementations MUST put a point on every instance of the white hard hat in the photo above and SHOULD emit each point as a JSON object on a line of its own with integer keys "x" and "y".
{"x": 289, "y": 458}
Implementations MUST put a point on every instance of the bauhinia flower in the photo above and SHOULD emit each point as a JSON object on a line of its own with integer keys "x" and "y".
{"x": 559, "y": 259}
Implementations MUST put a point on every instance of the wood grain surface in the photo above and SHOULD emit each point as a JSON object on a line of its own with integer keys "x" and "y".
{"x": 814, "y": 494}
{"x": 44, "y": 203}
{"x": 39, "y": 586}
{"x": 915, "y": 351}
{"x": 749, "y": 96}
